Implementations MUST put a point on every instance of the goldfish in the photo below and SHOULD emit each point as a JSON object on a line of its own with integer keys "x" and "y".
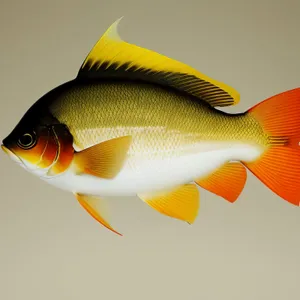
{"x": 134, "y": 122}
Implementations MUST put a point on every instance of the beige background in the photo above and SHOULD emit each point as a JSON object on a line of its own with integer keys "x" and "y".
{"x": 51, "y": 249}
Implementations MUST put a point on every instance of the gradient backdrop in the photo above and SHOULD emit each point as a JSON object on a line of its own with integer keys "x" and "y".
{"x": 51, "y": 249}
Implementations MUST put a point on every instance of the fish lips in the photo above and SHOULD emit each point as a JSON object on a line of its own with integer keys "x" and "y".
{"x": 20, "y": 162}
{"x": 11, "y": 155}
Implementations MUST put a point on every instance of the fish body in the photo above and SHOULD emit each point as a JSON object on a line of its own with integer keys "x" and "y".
{"x": 175, "y": 137}
{"x": 134, "y": 122}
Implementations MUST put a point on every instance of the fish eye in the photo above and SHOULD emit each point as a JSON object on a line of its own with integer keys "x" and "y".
{"x": 27, "y": 140}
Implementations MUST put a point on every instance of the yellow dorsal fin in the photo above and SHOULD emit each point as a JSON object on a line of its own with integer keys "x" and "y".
{"x": 112, "y": 57}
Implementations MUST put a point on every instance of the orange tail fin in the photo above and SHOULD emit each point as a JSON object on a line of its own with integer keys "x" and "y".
{"x": 279, "y": 167}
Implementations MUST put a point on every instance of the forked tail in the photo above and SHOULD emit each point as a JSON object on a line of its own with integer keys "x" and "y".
{"x": 279, "y": 167}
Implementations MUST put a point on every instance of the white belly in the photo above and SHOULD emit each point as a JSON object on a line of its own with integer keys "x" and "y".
{"x": 157, "y": 174}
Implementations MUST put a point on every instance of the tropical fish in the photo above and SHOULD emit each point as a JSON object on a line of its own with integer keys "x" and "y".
{"x": 137, "y": 123}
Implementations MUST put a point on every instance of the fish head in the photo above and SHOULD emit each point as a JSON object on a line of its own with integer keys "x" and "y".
{"x": 33, "y": 148}
{"x": 36, "y": 144}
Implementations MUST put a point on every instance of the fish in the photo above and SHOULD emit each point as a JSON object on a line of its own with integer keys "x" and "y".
{"x": 134, "y": 122}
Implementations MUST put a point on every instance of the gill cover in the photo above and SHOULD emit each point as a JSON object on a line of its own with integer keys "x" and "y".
{"x": 64, "y": 150}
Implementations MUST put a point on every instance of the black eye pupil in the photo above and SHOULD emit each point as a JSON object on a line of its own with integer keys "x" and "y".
{"x": 26, "y": 139}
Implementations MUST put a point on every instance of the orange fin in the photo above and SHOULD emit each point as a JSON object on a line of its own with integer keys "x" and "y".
{"x": 228, "y": 181}
{"x": 95, "y": 207}
{"x": 279, "y": 166}
{"x": 103, "y": 160}
{"x": 181, "y": 203}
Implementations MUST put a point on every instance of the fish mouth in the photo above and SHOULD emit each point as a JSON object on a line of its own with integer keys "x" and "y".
{"x": 13, "y": 156}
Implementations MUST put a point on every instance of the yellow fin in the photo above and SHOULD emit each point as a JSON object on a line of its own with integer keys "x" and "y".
{"x": 115, "y": 58}
{"x": 104, "y": 160}
{"x": 228, "y": 181}
{"x": 181, "y": 203}
{"x": 95, "y": 207}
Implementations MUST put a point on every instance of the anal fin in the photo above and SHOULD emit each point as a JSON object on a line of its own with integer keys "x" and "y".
{"x": 181, "y": 203}
{"x": 228, "y": 181}
{"x": 95, "y": 207}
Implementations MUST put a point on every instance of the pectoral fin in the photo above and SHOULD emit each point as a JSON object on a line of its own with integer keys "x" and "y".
{"x": 181, "y": 203}
{"x": 228, "y": 181}
{"x": 96, "y": 208}
{"x": 103, "y": 160}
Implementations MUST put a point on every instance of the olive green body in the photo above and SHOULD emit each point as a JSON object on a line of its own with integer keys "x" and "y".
{"x": 162, "y": 121}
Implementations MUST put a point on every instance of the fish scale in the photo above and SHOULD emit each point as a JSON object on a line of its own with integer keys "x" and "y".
{"x": 112, "y": 108}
